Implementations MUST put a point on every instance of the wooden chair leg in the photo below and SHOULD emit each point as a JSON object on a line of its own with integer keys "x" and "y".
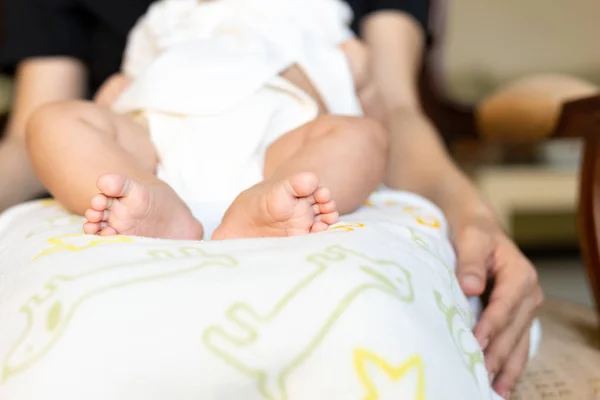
{"x": 589, "y": 212}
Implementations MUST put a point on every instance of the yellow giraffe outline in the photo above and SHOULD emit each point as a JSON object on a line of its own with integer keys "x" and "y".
{"x": 362, "y": 357}
{"x": 349, "y": 227}
{"x": 49, "y": 202}
{"x": 58, "y": 244}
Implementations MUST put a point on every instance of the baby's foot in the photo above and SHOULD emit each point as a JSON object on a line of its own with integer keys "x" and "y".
{"x": 127, "y": 207}
{"x": 291, "y": 207}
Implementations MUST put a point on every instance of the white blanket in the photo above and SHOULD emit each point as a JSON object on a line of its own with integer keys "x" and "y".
{"x": 369, "y": 310}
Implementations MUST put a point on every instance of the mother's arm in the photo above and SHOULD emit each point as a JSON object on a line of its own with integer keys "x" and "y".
{"x": 38, "y": 81}
{"x": 420, "y": 163}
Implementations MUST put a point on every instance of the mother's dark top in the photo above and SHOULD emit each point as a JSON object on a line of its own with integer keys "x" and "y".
{"x": 95, "y": 31}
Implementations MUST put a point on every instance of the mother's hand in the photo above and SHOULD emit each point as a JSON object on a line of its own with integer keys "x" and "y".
{"x": 486, "y": 254}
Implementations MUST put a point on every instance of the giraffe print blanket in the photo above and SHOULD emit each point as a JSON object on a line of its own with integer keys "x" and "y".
{"x": 370, "y": 310}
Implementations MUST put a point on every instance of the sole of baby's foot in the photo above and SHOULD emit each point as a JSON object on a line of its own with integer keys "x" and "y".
{"x": 127, "y": 207}
{"x": 290, "y": 207}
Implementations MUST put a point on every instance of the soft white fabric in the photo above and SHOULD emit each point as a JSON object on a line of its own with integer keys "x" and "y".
{"x": 214, "y": 158}
{"x": 205, "y": 74}
{"x": 194, "y": 57}
{"x": 368, "y": 310}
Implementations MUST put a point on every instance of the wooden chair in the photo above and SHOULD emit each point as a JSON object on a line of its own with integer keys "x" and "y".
{"x": 521, "y": 105}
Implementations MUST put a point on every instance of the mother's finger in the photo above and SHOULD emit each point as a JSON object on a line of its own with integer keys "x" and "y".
{"x": 514, "y": 367}
{"x": 500, "y": 349}
{"x": 474, "y": 251}
{"x": 510, "y": 290}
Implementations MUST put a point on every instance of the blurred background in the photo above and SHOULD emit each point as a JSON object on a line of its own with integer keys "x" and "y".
{"x": 498, "y": 81}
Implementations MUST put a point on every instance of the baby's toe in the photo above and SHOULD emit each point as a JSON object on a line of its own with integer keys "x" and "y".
{"x": 114, "y": 185}
{"x": 100, "y": 202}
{"x": 327, "y": 208}
{"x": 96, "y": 216}
{"x": 108, "y": 231}
{"x": 316, "y": 209}
{"x": 302, "y": 185}
{"x": 319, "y": 226}
{"x": 329, "y": 218}
{"x": 91, "y": 228}
{"x": 322, "y": 195}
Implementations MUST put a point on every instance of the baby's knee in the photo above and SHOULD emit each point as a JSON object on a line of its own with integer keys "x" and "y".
{"x": 374, "y": 131}
{"x": 363, "y": 131}
{"x": 59, "y": 121}
{"x": 50, "y": 119}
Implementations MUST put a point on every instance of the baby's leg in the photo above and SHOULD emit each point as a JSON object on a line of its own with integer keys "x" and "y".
{"x": 339, "y": 158}
{"x": 102, "y": 164}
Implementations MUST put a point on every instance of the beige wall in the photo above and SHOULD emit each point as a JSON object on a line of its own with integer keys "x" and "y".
{"x": 490, "y": 42}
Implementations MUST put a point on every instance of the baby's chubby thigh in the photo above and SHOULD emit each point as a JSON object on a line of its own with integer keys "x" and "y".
{"x": 81, "y": 140}
{"x": 79, "y": 118}
{"x": 135, "y": 138}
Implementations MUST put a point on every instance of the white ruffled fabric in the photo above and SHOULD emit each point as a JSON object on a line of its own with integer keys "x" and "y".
{"x": 217, "y": 53}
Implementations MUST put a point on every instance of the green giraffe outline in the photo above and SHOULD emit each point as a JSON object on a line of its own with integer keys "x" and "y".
{"x": 467, "y": 315}
{"x": 418, "y": 240}
{"x": 57, "y": 320}
{"x": 473, "y": 358}
{"x": 51, "y": 223}
{"x": 385, "y": 285}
